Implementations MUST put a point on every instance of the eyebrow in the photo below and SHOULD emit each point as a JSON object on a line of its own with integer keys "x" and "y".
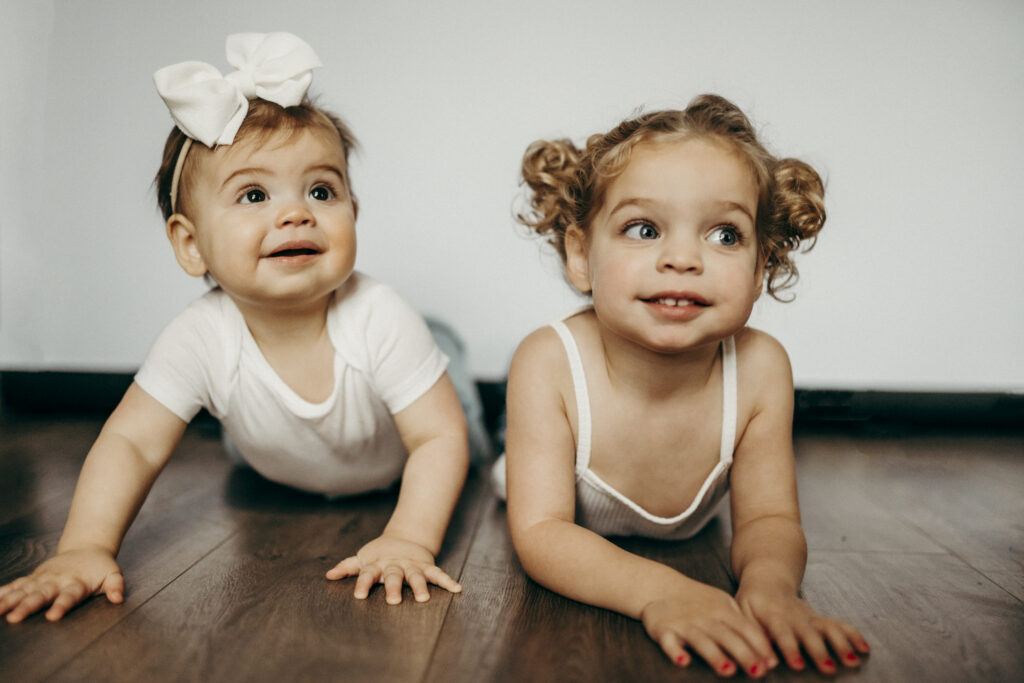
{"x": 259, "y": 170}
{"x": 643, "y": 202}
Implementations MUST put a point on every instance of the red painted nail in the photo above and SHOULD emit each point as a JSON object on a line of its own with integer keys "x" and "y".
{"x": 680, "y": 660}
{"x": 829, "y": 662}
{"x": 755, "y": 669}
{"x": 850, "y": 657}
{"x": 727, "y": 667}
{"x": 798, "y": 661}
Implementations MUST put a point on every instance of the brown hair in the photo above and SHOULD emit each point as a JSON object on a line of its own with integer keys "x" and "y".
{"x": 567, "y": 184}
{"x": 263, "y": 120}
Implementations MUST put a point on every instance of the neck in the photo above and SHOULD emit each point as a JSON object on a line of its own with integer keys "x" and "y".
{"x": 293, "y": 326}
{"x": 656, "y": 375}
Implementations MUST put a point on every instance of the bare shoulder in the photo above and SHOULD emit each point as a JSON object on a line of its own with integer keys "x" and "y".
{"x": 540, "y": 354}
{"x": 539, "y": 377}
{"x": 763, "y": 366}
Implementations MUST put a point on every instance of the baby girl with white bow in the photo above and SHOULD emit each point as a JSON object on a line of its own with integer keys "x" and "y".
{"x": 323, "y": 378}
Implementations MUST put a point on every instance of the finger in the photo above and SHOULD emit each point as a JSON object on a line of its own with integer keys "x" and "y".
{"x": 9, "y": 588}
{"x": 841, "y": 645}
{"x": 754, "y": 634}
{"x": 28, "y": 605}
{"x": 673, "y": 646}
{"x": 350, "y": 566}
{"x": 436, "y": 575}
{"x": 69, "y": 596}
{"x": 786, "y": 640}
{"x": 814, "y": 646}
{"x": 708, "y": 650}
{"x": 746, "y": 642}
{"x": 367, "y": 578}
{"x": 859, "y": 643}
{"x": 418, "y": 583}
{"x": 113, "y": 587}
{"x": 393, "y": 580}
{"x": 10, "y": 599}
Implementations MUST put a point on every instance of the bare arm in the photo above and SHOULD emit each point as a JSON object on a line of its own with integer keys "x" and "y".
{"x": 433, "y": 430}
{"x": 769, "y": 551}
{"x": 132, "y": 448}
{"x": 677, "y": 611}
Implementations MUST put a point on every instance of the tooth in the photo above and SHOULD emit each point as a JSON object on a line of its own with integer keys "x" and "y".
{"x": 669, "y": 302}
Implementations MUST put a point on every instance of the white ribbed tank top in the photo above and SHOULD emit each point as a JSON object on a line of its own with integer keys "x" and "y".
{"x": 603, "y": 509}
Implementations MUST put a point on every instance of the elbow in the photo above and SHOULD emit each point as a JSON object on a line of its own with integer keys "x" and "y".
{"x": 531, "y": 542}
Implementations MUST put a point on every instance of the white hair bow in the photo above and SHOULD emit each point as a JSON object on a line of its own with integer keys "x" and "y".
{"x": 210, "y": 107}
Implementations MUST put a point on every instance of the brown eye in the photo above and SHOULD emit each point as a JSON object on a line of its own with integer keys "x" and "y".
{"x": 253, "y": 196}
{"x": 321, "y": 193}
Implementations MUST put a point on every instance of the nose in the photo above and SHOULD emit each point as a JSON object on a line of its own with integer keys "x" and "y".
{"x": 294, "y": 215}
{"x": 681, "y": 253}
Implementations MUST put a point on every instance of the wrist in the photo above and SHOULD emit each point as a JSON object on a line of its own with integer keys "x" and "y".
{"x": 405, "y": 535}
{"x": 84, "y": 546}
{"x": 768, "y": 579}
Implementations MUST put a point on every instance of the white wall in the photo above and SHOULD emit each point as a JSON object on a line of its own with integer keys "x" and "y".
{"x": 911, "y": 110}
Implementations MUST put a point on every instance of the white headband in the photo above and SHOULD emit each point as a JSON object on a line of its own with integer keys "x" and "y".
{"x": 210, "y": 108}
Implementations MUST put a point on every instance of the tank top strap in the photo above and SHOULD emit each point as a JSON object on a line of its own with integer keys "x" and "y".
{"x": 579, "y": 383}
{"x": 729, "y": 399}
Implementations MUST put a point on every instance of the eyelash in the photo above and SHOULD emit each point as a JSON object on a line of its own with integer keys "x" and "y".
{"x": 637, "y": 222}
{"x": 244, "y": 193}
{"x": 737, "y": 234}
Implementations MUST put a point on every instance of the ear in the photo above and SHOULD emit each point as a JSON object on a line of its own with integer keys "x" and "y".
{"x": 577, "y": 266}
{"x": 182, "y": 234}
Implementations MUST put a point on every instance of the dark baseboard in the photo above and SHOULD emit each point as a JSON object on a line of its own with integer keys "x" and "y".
{"x": 97, "y": 393}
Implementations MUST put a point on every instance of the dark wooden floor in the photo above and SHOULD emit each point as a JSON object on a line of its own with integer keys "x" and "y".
{"x": 915, "y": 537}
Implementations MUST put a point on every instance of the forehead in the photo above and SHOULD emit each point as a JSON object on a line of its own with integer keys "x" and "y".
{"x": 689, "y": 169}
{"x": 281, "y": 150}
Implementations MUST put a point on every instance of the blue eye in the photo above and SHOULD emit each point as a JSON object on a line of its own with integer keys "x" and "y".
{"x": 727, "y": 236}
{"x": 322, "y": 193}
{"x": 253, "y": 195}
{"x": 641, "y": 230}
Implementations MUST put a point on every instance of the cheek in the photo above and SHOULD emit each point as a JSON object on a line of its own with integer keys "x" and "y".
{"x": 612, "y": 270}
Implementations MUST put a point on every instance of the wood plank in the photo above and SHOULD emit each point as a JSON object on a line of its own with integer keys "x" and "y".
{"x": 39, "y": 462}
{"x": 515, "y": 630}
{"x": 174, "y": 530}
{"x": 966, "y": 492}
{"x": 927, "y": 617}
{"x": 258, "y": 607}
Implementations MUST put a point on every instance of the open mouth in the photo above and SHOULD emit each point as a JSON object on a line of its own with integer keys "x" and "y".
{"x": 284, "y": 253}
{"x": 295, "y": 249}
{"x": 677, "y": 303}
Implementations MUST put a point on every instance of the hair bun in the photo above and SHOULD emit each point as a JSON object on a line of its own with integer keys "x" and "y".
{"x": 800, "y": 203}
{"x": 550, "y": 169}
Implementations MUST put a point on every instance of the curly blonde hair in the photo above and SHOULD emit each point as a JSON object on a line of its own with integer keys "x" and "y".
{"x": 567, "y": 184}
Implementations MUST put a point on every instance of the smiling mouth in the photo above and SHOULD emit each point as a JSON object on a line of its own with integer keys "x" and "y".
{"x": 284, "y": 253}
{"x": 668, "y": 301}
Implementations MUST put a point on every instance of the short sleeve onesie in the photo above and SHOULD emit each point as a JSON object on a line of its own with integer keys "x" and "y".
{"x": 385, "y": 359}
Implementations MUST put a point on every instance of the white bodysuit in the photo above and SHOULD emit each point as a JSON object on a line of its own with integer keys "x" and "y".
{"x": 606, "y": 511}
{"x": 385, "y": 359}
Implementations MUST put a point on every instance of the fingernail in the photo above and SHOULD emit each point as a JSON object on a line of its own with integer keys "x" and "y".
{"x": 850, "y": 657}
{"x": 798, "y": 662}
{"x": 829, "y": 663}
{"x": 726, "y": 668}
{"x": 755, "y": 669}
{"x": 681, "y": 660}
